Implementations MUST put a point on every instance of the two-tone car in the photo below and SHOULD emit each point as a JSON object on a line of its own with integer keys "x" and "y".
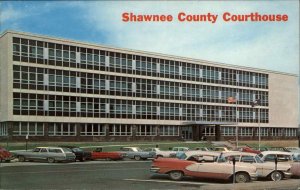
{"x": 264, "y": 169}
{"x": 49, "y": 154}
{"x": 288, "y": 158}
{"x": 202, "y": 164}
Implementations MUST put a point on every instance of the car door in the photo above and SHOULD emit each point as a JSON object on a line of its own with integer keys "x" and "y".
{"x": 34, "y": 155}
{"x": 43, "y": 154}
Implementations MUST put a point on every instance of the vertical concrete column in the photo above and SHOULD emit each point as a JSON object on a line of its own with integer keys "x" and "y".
{"x": 196, "y": 132}
{"x": 78, "y": 129}
{"x": 134, "y": 130}
{"x": 9, "y": 126}
{"x": 106, "y": 127}
{"x": 217, "y": 133}
{"x": 157, "y": 130}
{"x": 200, "y": 131}
{"x": 46, "y": 130}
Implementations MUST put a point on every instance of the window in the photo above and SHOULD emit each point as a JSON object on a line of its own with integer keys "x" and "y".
{"x": 3, "y": 129}
{"x": 91, "y": 129}
{"x": 146, "y": 130}
{"x": 169, "y": 130}
{"x": 61, "y": 129}
{"x": 28, "y": 128}
{"x": 120, "y": 130}
{"x": 246, "y": 131}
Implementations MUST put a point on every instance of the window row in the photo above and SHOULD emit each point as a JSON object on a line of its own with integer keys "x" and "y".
{"x": 51, "y": 105}
{"x": 70, "y": 129}
{"x": 251, "y": 131}
{"x": 66, "y": 81}
{"x": 70, "y": 56}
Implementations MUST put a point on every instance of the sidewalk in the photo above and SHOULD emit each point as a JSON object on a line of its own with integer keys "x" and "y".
{"x": 290, "y": 184}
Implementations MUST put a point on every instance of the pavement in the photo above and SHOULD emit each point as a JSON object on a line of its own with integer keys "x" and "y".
{"x": 291, "y": 184}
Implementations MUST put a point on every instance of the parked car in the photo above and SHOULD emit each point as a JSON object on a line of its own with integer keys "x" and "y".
{"x": 177, "y": 151}
{"x": 264, "y": 169}
{"x": 278, "y": 149}
{"x": 202, "y": 166}
{"x": 288, "y": 158}
{"x": 5, "y": 155}
{"x": 293, "y": 149}
{"x": 204, "y": 148}
{"x": 136, "y": 153}
{"x": 49, "y": 154}
{"x": 99, "y": 154}
{"x": 160, "y": 153}
{"x": 247, "y": 149}
{"x": 222, "y": 149}
{"x": 80, "y": 154}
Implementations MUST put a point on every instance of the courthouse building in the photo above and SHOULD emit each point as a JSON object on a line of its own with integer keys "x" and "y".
{"x": 56, "y": 89}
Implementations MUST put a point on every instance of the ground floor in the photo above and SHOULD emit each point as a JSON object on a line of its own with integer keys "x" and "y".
{"x": 55, "y": 131}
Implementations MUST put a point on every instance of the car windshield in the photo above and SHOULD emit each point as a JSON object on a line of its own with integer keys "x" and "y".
{"x": 181, "y": 156}
{"x": 77, "y": 149}
{"x": 296, "y": 157}
{"x": 258, "y": 159}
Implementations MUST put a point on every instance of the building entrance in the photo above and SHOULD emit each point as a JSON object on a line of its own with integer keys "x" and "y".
{"x": 187, "y": 133}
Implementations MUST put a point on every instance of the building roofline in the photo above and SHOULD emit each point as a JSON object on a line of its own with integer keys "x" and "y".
{"x": 133, "y": 51}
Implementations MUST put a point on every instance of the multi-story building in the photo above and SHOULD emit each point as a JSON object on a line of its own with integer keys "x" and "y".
{"x": 58, "y": 89}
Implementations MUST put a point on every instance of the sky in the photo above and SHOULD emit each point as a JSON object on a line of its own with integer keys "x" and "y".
{"x": 265, "y": 45}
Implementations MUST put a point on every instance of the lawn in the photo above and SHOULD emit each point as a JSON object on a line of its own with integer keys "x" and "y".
{"x": 164, "y": 145}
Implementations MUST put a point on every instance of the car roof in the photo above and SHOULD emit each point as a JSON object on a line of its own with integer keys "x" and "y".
{"x": 276, "y": 152}
{"x": 234, "y": 153}
{"x": 207, "y": 153}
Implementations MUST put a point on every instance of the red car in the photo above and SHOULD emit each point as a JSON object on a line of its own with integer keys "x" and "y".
{"x": 98, "y": 154}
{"x": 248, "y": 149}
{"x": 5, "y": 155}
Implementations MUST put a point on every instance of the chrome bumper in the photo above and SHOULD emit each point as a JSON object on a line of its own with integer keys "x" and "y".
{"x": 154, "y": 169}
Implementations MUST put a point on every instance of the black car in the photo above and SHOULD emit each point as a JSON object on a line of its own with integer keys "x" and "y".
{"x": 80, "y": 154}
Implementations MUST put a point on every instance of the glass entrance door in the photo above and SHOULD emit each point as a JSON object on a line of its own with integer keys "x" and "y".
{"x": 187, "y": 133}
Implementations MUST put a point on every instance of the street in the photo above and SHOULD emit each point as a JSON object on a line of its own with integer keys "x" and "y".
{"x": 125, "y": 175}
{"x": 89, "y": 175}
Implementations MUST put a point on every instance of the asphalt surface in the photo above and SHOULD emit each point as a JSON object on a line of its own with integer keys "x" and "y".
{"x": 125, "y": 175}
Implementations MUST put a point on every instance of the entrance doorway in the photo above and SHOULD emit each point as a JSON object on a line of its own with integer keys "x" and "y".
{"x": 187, "y": 132}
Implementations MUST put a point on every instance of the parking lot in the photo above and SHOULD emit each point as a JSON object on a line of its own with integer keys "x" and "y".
{"x": 125, "y": 174}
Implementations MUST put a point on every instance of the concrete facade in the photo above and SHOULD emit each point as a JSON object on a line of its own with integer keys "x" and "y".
{"x": 281, "y": 95}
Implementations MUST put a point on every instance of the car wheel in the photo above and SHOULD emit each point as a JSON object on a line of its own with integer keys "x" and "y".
{"x": 159, "y": 156}
{"x": 137, "y": 158}
{"x": 176, "y": 175}
{"x": 21, "y": 159}
{"x": 50, "y": 160}
{"x": 242, "y": 178}
{"x": 276, "y": 176}
{"x": 83, "y": 159}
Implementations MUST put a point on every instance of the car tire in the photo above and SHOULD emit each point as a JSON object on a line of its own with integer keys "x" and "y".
{"x": 21, "y": 158}
{"x": 50, "y": 160}
{"x": 159, "y": 156}
{"x": 276, "y": 176}
{"x": 82, "y": 159}
{"x": 137, "y": 158}
{"x": 176, "y": 175}
{"x": 242, "y": 178}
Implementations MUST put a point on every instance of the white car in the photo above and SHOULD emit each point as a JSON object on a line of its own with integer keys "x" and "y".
{"x": 160, "y": 153}
{"x": 287, "y": 158}
{"x": 293, "y": 149}
{"x": 264, "y": 169}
